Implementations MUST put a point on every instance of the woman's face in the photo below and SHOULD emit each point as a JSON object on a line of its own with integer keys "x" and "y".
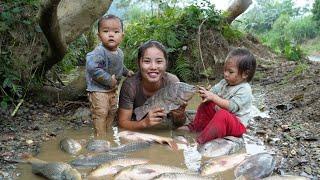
{"x": 152, "y": 65}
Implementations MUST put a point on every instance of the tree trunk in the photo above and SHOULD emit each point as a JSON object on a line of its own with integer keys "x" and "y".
{"x": 62, "y": 21}
{"x": 236, "y": 8}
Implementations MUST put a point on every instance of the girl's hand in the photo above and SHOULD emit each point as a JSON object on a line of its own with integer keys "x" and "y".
{"x": 154, "y": 117}
{"x": 130, "y": 73}
{"x": 205, "y": 94}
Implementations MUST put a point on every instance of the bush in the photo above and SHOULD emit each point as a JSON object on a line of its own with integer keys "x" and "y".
{"x": 177, "y": 29}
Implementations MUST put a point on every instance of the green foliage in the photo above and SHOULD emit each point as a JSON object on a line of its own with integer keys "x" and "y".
{"x": 316, "y": 11}
{"x": 287, "y": 33}
{"x": 14, "y": 14}
{"x": 261, "y": 17}
{"x": 301, "y": 29}
{"x": 292, "y": 52}
{"x": 183, "y": 69}
{"x": 75, "y": 55}
{"x": 231, "y": 34}
{"x": 175, "y": 28}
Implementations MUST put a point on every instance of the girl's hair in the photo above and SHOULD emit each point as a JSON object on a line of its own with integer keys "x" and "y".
{"x": 107, "y": 17}
{"x": 246, "y": 62}
{"x": 149, "y": 44}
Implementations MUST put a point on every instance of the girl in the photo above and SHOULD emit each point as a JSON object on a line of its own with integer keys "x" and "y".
{"x": 225, "y": 110}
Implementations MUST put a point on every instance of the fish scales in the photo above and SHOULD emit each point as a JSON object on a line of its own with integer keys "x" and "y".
{"x": 146, "y": 171}
{"x": 70, "y": 146}
{"x": 115, "y": 166}
{"x": 256, "y": 166}
{"x": 170, "y": 97}
{"x": 130, "y": 147}
{"x": 96, "y": 159}
{"x": 221, "y": 146}
{"x": 181, "y": 176}
{"x": 53, "y": 170}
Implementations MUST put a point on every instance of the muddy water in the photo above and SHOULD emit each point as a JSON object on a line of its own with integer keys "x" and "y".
{"x": 188, "y": 157}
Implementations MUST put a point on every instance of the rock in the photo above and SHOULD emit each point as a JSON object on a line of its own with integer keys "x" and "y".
{"x": 308, "y": 170}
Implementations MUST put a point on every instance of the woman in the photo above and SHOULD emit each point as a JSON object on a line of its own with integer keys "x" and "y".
{"x": 152, "y": 76}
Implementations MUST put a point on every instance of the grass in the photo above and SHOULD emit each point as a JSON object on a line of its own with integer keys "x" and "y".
{"x": 312, "y": 46}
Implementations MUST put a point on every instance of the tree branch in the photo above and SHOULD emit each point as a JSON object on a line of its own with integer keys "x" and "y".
{"x": 236, "y": 8}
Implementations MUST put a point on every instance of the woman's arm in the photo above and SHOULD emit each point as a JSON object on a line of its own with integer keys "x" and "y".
{"x": 154, "y": 117}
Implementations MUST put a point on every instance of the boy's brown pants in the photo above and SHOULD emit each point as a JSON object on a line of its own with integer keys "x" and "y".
{"x": 103, "y": 107}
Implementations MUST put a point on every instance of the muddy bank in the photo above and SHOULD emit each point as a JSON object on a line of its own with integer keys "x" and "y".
{"x": 292, "y": 97}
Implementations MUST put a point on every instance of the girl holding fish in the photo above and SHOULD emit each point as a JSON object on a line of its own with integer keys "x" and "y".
{"x": 225, "y": 110}
{"x": 152, "y": 76}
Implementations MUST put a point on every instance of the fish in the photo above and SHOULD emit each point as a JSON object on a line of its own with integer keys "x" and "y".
{"x": 221, "y": 163}
{"x": 115, "y": 166}
{"x": 221, "y": 146}
{"x": 256, "y": 166}
{"x": 90, "y": 160}
{"x": 146, "y": 171}
{"x": 130, "y": 147}
{"x": 137, "y": 136}
{"x": 52, "y": 170}
{"x": 170, "y": 97}
{"x": 285, "y": 177}
{"x": 98, "y": 145}
{"x": 180, "y": 176}
{"x": 70, "y": 145}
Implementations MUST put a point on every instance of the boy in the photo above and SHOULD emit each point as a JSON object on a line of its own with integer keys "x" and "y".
{"x": 104, "y": 69}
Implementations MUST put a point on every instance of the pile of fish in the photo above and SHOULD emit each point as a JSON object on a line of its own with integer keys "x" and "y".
{"x": 107, "y": 162}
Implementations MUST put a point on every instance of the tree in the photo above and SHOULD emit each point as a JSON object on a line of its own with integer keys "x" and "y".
{"x": 316, "y": 11}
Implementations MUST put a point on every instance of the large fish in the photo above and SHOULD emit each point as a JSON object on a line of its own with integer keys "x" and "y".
{"x": 285, "y": 177}
{"x": 98, "y": 145}
{"x": 70, "y": 145}
{"x": 221, "y": 164}
{"x": 256, "y": 166}
{"x": 90, "y": 160}
{"x": 146, "y": 171}
{"x": 52, "y": 170}
{"x": 181, "y": 176}
{"x": 136, "y": 136}
{"x": 221, "y": 146}
{"x": 130, "y": 147}
{"x": 115, "y": 166}
{"x": 170, "y": 97}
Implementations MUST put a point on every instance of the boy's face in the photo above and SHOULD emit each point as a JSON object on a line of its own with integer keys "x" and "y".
{"x": 231, "y": 72}
{"x": 110, "y": 33}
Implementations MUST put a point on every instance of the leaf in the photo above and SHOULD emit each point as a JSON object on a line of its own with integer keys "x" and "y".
{"x": 4, "y": 104}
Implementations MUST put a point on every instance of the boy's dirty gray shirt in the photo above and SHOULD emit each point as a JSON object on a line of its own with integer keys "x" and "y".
{"x": 101, "y": 64}
{"x": 239, "y": 96}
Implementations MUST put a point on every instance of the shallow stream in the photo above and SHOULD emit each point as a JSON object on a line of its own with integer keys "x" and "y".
{"x": 188, "y": 157}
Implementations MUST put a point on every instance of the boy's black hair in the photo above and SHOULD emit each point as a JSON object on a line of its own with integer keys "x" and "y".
{"x": 109, "y": 16}
{"x": 245, "y": 60}
{"x": 152, "y": 43}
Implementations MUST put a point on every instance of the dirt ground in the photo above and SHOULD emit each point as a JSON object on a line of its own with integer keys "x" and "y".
{"x": 292, "y": 97}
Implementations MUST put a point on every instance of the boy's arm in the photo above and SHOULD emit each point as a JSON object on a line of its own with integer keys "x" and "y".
{"x": 96, "y": 66}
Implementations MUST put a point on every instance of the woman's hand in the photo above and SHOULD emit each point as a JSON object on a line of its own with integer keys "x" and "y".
{"x": 154, "y": 117}
{"x": 206, "y": 95}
